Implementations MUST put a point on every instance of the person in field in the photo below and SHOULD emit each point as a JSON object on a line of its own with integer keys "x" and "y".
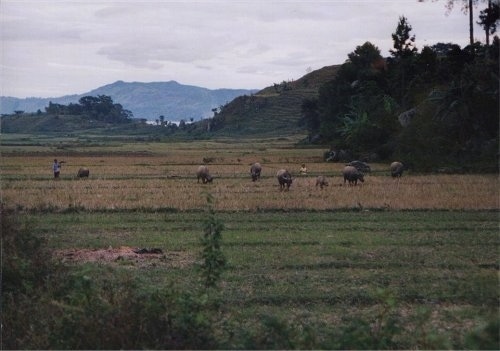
{"x": 303, "y": 170}
{"x": 56, "y": 167}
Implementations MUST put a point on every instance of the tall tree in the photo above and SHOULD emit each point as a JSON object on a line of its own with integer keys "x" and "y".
{"x": 351, "y": 107}
{"x": 404, "y": 43}
{"x": 402, "y": 62}
{"x": 364, "y": 56}
{"x": 488, "y": 19}
{"x": 467, "y": 7}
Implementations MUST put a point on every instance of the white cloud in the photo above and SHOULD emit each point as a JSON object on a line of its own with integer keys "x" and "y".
{"x": 58, "y": 47}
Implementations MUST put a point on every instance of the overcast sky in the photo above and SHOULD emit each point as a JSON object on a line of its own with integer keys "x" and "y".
{"x": 52, "y": 48}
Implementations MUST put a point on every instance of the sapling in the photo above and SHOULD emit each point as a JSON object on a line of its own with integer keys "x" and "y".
{"x": 214, "y": 260}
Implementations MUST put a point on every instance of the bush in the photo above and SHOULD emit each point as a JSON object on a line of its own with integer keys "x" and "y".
{"x": 24, "y": 262}
{"x": 485, "y": 338}
{"x": 26, "y": 268}
{"x": 115, "y": 313}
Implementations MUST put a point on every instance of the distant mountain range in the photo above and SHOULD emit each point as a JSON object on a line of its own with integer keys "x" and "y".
{"x": 172, "y": 100}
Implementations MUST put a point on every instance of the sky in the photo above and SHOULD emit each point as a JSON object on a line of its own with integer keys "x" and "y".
{"x": 51, "y": 48}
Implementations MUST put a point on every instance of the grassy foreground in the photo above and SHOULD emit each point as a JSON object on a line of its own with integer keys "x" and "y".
{"x": 406, "y": 279}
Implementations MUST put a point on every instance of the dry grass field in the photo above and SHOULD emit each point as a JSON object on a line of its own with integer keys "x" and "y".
{"x": 168, "y": 181}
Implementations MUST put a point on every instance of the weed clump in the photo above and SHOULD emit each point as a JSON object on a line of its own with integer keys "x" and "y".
{"x": 214, "y": 260}
{"x": 25, "y": 271}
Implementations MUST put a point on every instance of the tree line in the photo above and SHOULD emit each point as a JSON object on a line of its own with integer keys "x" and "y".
{"x": 100, "y": 108}
{"x": 433, "y": 107}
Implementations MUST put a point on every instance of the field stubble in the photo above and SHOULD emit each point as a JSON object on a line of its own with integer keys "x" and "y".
{"x": 152, "y": 186}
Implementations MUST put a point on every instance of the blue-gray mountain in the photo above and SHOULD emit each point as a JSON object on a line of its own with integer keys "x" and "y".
{"x": 170, "y": 99}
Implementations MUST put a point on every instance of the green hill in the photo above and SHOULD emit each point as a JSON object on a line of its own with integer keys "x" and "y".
{"x": 47, "y": 123}
{"x": 273, "y": 111}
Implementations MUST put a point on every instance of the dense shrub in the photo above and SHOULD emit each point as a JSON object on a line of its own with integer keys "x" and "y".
{"x": 24, "y": 262}
{"x": 116, "y": 313}
{"x": 25, "y": 271}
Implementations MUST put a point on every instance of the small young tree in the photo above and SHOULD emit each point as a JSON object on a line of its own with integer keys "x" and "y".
{"x": 214, "y": 260}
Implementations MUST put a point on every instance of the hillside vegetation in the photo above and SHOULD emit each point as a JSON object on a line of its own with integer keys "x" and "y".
{"x": 273, "y": 111}
{"x": 89, "y": 113}
{"x": 430, "y": 108}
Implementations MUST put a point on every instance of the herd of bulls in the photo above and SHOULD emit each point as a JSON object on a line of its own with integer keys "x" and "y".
{"x": 352, "y": 172}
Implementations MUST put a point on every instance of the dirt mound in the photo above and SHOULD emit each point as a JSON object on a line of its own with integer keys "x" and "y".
{"x": 126, "y": 255}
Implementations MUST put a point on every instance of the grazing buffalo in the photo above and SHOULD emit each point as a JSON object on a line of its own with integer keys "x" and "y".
{"x": 255, "y": 171}
{"x": 321, "y": 181}
{"x": 204, "y": 175}
{"x": 352, "y": 175}
{"x": 284, "y": 179}
{"x": 397, "y": 169}
{"x": 83, "y": 173}
{"x": 360, "y": 166}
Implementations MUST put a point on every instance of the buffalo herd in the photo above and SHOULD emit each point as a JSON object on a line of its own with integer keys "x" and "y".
{"x": 352, "y": 173}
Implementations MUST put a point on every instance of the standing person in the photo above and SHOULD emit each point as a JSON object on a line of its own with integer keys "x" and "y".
{"x": 56, "y": 167}
{"x": 303, "y": 169}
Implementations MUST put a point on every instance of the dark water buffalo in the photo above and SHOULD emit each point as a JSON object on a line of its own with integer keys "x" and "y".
{"x": 352, "y": 175}
{"x": 337, "y": 155}
{"x": 83, "y": 173}
{"x": 321, "y": 181}
{"x": 284, "y": 179}
{"x": 255, "y": 171}
{"x": 204, "y": 175}
{"x": 397, "y": 169}
{"x": 360, "y": 166}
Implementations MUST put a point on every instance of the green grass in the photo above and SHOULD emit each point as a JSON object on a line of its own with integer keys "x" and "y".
{"x": 315, "y": 263}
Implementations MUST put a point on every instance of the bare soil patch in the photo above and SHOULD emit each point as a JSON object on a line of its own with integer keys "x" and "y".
{"x": 127, "y": 255}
